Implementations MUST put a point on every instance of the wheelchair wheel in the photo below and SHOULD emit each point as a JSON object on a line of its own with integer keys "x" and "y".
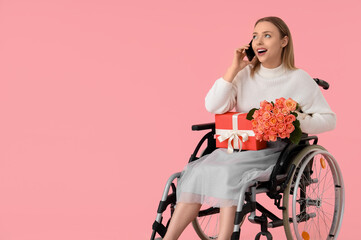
{"x": 314, "y": 198}
{"x": 206, "y": 224}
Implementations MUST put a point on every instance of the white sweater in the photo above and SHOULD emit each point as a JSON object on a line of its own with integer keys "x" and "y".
{"x": 245, "y": 93}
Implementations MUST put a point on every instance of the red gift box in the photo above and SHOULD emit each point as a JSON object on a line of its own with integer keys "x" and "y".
{"x": 234, "y": 131}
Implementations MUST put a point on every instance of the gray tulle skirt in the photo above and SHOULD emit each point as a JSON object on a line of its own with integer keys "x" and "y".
{"x": 216, "y": 179}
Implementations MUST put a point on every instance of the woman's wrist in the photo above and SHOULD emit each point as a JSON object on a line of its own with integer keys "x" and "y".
{"x": 230, "y": 74}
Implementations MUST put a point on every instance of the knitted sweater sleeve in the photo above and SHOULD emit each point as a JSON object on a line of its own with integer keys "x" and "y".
{"x": 222, "y": 97}
{"x": 317, "y": 115}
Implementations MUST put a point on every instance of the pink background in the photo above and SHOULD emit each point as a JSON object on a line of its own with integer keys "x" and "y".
{"x": 97, "y": 99}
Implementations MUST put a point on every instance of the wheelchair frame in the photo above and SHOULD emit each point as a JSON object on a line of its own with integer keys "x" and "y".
{"x": 283, "y": 172}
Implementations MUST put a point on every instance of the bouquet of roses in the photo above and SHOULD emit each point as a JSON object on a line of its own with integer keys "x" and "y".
{"x": 277, "y": 119}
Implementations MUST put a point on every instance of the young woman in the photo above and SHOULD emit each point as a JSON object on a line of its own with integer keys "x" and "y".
{"x": 216, "y": 179}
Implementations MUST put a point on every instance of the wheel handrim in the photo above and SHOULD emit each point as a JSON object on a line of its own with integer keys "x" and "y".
{"x": 319, "y": 208}
{"x": 207, "y": 227}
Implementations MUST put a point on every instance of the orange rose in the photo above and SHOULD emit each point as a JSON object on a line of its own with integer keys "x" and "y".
{"x": 263, "y": 103}
{"x": 268, "y": 107}
{"x": 280, "y": 103}
{"x": 290, "y": 104}
{"x": 255, "y": 114}
{"x": 285, "y": 111}
{"x": 276, "y": 111}
{"x": 265, "y": 137}
{"x": 259, "y": 137}
{"x": 280, "y": 118}
{"x": 282, "y": 135}
{"x": 254, "y": 123}
{"x": 266, "y": 125}
{"x": 266, "y": 115}
{"x": 260, "y": 128}
{"x": 290, "y": 128}
{"x": 272, "y": 121}
{"x": 272, "y": 138}
{"x": 281, "y": 127}
{"x": 290, "y": 118}
{"x": 273, "y": 130}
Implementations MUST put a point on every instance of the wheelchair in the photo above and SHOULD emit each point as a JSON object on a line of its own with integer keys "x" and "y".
{"x": 306, "y": 185}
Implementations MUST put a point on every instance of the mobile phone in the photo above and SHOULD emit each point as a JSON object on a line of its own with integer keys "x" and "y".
{"x": 249, "y": 52}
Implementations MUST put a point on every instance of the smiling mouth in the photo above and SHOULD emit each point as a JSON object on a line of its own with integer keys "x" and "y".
{"x": 261, "y": 51}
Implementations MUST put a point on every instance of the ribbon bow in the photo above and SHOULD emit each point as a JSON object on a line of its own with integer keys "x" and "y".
{"x": 233, "y": 135}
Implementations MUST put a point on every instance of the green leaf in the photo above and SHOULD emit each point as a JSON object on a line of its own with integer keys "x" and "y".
{"x": 295, "y": 114}
{"x": 296, "y": 135}
{"x": 296, "y": 124}
{"x": 250, "y": 114}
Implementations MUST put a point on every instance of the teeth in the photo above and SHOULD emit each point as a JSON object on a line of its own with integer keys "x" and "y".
{"x": 261, "y": 50}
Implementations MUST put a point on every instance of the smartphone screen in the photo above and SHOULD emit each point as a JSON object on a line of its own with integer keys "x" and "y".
{"x": 249, "y": 52}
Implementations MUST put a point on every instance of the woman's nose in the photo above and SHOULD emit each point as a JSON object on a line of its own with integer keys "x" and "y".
{"x": 259, "y": 41}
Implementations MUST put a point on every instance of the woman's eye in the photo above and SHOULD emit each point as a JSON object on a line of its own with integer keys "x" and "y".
{"x": 254, "y": 37}
{"x": 267, "y": 36}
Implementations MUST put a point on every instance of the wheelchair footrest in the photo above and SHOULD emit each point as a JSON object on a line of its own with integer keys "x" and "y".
{"x": 276, "y": 223}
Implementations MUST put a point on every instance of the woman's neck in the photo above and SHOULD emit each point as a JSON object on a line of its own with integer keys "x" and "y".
{"x": 271, "y": 72}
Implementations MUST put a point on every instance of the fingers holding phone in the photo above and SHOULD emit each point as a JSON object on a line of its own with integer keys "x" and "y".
{"x": 238, "y": 60}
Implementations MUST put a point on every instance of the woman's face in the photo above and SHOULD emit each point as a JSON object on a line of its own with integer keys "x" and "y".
{"x": 268, "y": 45}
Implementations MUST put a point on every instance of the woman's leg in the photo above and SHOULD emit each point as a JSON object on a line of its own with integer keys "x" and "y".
{"x": 184, "y": 213}
{"x": 226, "y": 222}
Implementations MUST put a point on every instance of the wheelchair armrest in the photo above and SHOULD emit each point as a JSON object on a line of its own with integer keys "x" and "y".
{"x": 307, "y": 138}
{"x": 204, "y": 126}
{"x": 322, "y": 83}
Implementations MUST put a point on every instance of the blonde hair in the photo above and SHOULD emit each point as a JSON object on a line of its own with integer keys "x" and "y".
{"x": 288, "y": 59}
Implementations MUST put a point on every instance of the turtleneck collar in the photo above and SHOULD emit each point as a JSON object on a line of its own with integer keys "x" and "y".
{"x": 271, "y": 72}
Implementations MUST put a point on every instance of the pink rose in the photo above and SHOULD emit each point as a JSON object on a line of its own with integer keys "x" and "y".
{"x": 291, "y": 104}
{"x": 280, "y": 118}
{"x": 254, "y": 123}
{"x": 285, "y": 111}
{"x": 290, "y": 128}
{"x": 265, "y": 137}
{"x": 259, "y": 137}
{"x": 282, "y": 135}
{"x": 280, "y": 103}
{"x": 273, "y": 130}
{"x": 276, "y": 111}
{"x": 260, "y": 128}
{"x": 255, "y": 114}
{"x": 272, "y": 138}
{"x": 266, "y": 115}
{"x": 263, "y": 103}
{"x": 290, "y": 118}
{"x": 281, "y": 127}
{"x": 266, "y": 124}
{"x": 272, "y": 121}
{"x": 268, "y": 107}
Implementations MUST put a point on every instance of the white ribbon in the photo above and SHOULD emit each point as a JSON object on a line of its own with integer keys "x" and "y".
{"x": 234, "y": 134}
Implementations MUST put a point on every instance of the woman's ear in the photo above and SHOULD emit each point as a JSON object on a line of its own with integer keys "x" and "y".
{"x": 284, "y": 41}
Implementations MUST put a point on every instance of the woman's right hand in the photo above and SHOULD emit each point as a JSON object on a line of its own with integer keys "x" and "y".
{"x": 238, "y": 59}
{"x": 238, "y": 63}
